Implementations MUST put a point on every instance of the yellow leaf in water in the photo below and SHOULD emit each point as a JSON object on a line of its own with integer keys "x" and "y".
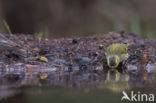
{"x": 43, "y": 76}
{"x": 43, "y": 58}
{"x": 144, "y": 57}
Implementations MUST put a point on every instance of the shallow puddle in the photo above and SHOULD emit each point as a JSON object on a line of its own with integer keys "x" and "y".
{"x": 46, "y": 85}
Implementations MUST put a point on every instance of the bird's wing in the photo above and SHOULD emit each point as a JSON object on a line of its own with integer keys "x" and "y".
{"x": 116, "y": 49}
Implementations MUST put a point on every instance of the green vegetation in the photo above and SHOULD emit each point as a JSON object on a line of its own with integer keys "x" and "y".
{"x": 118, "y": 25}
{"x": 46, "y": 36}
{"x": 135, "y": 26}
{"x": 7, "y": 27}
{"x": 39, "y": 35}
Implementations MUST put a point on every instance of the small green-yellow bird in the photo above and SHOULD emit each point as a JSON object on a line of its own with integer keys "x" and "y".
{"x": 116, "y": 53}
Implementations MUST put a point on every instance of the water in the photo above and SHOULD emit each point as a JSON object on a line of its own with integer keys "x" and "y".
{"x": 57, "y": 94}
{"x": 38, "y": 86}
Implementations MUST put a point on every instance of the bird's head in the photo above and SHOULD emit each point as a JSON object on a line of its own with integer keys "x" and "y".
{"x": 113, "y": 61}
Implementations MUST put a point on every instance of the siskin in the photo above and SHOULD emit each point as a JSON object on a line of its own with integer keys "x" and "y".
{"x": 116, "y": 53}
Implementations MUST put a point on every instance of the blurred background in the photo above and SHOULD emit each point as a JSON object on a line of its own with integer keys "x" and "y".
{"x": 65, "y": 18}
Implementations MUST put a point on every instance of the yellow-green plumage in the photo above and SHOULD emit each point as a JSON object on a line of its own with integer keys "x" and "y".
{"x": 117, "y": 49}
{"x": 116, "y": 53}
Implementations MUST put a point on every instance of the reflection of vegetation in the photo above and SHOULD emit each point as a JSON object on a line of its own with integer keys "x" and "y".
{"x": 115, "y": 81}
{"x": 7, "y": 27}
{"x": 53, "y": 94}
